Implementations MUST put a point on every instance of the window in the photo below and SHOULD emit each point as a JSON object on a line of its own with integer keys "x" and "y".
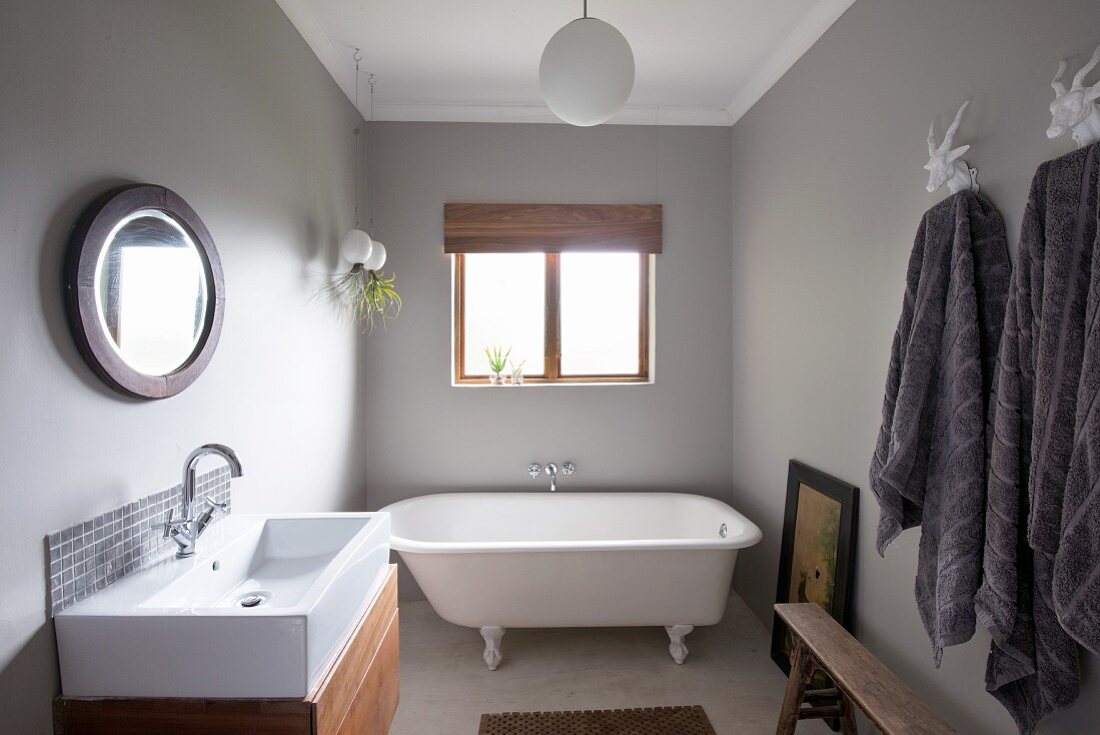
{"x": 567, "y": 317}
{"x": 566, "y": 287}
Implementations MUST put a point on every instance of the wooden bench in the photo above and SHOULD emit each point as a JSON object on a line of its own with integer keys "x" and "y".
{"x": 820, "y": 643}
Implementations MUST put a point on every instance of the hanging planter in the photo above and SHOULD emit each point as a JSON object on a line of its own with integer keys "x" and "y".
{"x": 365, "y": 293}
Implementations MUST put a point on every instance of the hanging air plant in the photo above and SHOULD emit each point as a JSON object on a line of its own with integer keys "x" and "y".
{"x": 367, "y": 296}
{"x": 365, "y": 292}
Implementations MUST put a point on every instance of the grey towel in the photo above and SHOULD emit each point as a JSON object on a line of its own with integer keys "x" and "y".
{"x": 1077, "y": 560}
{"x": 1032, "y": 667}
{"x": 930, "y": 461}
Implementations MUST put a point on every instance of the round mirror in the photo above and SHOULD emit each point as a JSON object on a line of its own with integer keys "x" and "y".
{"x": 151, "y": 292}
{"x": 145, "y": 291}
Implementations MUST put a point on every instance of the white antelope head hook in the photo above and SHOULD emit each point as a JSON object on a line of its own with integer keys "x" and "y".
{"x": 1075, "y": 109}
{"x": 944, "y": 165}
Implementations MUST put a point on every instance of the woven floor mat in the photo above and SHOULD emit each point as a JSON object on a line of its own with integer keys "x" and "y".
{"x": 649, "y": 721}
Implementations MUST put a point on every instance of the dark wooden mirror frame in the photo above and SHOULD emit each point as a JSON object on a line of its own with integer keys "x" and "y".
{"x": 88, "y": 239}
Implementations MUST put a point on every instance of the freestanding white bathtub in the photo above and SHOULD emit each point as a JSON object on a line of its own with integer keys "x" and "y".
{"x": 539, "y": 560}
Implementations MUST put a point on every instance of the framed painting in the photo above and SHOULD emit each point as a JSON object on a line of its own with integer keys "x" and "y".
{"x": 818, "y": 549}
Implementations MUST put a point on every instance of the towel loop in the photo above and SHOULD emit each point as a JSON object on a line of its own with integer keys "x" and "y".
{"x": 945, "y": 164}
{"x": 1075, "y": 109}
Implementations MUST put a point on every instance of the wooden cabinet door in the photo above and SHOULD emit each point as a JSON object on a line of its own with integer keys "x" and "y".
{"x": 366, "y": 668}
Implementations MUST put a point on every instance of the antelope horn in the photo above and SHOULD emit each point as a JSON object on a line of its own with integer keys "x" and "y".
{"x": 1079, "y": 77}
{"x": 1059, "y": 88}
{"x": 1094, "y": 92}
{"x": 932, "y": 138}
{"x": 957, "y": 153}
{"x": 949, "y": 137}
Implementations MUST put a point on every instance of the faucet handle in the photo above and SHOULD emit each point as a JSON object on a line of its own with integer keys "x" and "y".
{"x": 166, "y": 525}
{"x": 568, "y": 468}
{"x": 217, "y": 508}
{"x": 533, "y": 470}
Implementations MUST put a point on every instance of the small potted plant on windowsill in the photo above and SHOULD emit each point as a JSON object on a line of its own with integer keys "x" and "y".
{"x": 516, "y": 376}
{"x": 498, "y": 359}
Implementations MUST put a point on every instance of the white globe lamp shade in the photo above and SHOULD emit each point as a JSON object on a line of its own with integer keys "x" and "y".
{"x": 356, "y": 246}
{"x": 377, "y": 257}
{"x": 586, "y": 72}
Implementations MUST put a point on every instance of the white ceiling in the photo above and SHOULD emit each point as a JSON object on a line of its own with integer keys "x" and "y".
{"x": 699, "y": 62}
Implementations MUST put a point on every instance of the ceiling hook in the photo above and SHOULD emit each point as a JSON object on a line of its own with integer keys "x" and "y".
{"x": 357, "y": 56}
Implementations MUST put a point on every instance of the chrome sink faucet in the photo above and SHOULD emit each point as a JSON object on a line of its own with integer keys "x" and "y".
{"x": 186, "y": 532}
{"x": 534, "y": 470}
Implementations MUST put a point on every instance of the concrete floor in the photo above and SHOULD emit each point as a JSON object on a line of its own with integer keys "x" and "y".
{"x": 445, "y": 686}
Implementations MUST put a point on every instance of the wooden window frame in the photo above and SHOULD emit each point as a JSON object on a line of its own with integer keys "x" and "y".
{"x": 551, "y": 373}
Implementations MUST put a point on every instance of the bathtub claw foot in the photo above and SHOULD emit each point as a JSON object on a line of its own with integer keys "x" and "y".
{"x": 676, "y": 634}
{"x": 492, "y": 635}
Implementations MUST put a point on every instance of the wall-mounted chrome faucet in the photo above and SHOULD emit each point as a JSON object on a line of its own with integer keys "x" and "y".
{"x": 186, "y": 532}
{"x": 551, "y": 469}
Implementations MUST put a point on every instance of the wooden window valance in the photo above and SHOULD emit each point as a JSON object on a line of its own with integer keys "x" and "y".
{"x": 551, "y": 228}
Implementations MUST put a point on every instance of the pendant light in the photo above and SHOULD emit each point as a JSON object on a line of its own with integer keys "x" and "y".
{"x": 587, "y": 71}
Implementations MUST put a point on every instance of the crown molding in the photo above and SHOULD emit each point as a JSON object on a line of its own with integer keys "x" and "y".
{"x": 542, "y": 114}
{"x": 820, "y": 18}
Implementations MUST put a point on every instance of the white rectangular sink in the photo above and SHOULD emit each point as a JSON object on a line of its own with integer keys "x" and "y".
{"x": 180, "y": 629}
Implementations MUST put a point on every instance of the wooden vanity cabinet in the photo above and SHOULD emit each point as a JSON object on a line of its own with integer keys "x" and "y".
{"x": 357, "y": 695}
{"x": 359, "y": 692}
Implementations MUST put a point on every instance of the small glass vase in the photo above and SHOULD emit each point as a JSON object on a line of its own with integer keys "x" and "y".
{"x": 515, "y": 378}
{"x": 496, "y": 379}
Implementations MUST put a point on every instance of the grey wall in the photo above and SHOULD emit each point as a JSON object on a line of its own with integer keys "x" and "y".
{"x": 426, "y": 436}
{"x": 828, "y": 192}
{"x": 225, "y": 104}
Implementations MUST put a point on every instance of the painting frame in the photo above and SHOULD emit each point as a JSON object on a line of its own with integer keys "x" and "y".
{"x": 800, "y": 475}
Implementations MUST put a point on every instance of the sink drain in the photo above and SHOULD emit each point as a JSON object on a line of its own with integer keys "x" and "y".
{"x": 252, "y": 599}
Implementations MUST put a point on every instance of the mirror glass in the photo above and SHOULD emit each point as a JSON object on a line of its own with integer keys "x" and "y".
{"x": 152, "y": 292}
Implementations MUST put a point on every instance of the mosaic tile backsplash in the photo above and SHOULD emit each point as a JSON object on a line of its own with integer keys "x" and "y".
{"x": 88, "y": 556}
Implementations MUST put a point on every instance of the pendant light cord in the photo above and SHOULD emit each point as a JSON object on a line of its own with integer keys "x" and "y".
{"x": 585, "y": 8}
